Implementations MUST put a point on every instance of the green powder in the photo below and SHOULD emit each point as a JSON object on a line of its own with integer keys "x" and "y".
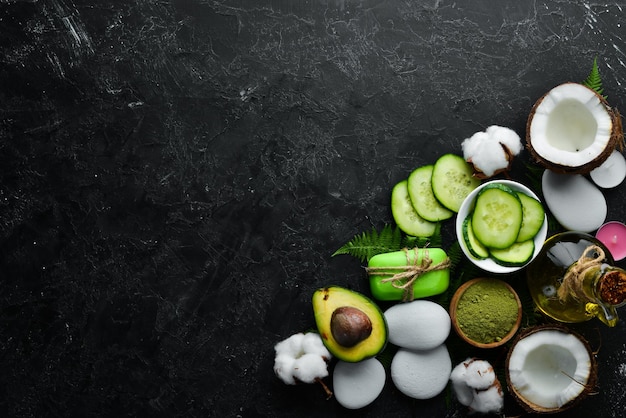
{"x": 487, "y": 311}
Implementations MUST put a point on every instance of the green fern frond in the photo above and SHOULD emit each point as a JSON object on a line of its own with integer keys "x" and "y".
{"x": 455, "y": 254}
{"x": 367, "y": 244}
{"x": 593, "y": 80}
{"x": 434, "y": 240}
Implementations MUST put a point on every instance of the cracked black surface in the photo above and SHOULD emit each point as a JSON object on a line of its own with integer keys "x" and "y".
{"x": 175, "y": 176}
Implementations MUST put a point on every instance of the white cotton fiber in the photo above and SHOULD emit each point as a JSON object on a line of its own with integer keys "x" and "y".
{"x": 301, "y": 358}
{"x": 312, "y": 344}
{"x": 488, "y": 401}
{"x": 479, "y": 374}
{"x": 309, "y": 367}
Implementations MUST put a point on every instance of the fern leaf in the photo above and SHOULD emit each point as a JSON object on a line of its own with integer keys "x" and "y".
{"x": 367, "y": 244}
{"x": 434, "y": 240}
{"x": 455, "y": 254}
{"x": 593, "y": 80}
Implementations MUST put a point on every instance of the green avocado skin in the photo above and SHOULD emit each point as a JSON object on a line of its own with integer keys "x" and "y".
{"x": 326, "y": 300}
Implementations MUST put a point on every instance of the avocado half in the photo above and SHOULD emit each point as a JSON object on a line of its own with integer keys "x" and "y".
{"x": 352, "y": 326}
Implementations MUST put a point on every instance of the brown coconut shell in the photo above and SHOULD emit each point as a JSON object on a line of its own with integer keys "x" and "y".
{"x": 616, "y": 140}
{"x": 589, "y": 388}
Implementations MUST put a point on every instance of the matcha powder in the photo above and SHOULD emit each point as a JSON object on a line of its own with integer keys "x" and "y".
{"x": 487, "y": 311}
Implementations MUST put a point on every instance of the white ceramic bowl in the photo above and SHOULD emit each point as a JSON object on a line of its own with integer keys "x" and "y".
{"x": 467, "y": 206}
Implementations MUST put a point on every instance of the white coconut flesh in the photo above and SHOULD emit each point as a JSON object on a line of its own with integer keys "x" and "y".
{"x": 571, "y": 126}
{"x": 549, "y": 368}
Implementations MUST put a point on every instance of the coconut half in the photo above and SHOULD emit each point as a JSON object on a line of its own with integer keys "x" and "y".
{"x": 550, "y": 369}
{"x": 572, "y": 129}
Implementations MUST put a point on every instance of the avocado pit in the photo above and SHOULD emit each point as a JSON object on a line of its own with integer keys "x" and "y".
{"x": 350, "y": 326}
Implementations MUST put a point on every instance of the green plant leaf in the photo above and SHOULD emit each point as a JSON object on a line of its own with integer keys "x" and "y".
{"x": 593, "y": 80}
{"x": 434, "y": 240}
{"x": 367, "y": 244}
{"x": 455, "y": 254}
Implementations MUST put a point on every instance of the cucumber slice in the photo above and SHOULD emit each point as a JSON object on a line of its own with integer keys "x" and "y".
{"x": 497, "y": 216}
{"x": 452, "y": 180}
{"x": 405, "y": 216}
{"x": 475, "y": 248}
{"x": 516, "y": 255}
{"x": 532, "y": 219}
{"x": 423, "y": 198}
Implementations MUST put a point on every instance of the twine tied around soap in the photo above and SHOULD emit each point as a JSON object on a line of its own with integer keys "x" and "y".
{"x": 572, "y": 284}
{"x": 407, "y": 275}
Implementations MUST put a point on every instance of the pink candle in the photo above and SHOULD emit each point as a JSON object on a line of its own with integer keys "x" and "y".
{"x": 613, "y": 235}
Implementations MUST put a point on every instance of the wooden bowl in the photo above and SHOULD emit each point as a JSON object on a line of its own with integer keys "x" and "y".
{"x": 453, "y": 313}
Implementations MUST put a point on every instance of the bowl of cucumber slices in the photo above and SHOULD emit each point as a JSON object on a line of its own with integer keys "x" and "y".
{"x": 501, "y": 226}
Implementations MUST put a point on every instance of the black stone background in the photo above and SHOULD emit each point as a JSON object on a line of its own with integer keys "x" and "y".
{"x": 175, "y": 176}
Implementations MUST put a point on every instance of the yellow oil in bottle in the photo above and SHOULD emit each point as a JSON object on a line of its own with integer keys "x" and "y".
{"x": 545, "y": 275}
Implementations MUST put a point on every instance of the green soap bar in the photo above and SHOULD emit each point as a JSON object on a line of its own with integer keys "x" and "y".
{"x": 427, "y": 284}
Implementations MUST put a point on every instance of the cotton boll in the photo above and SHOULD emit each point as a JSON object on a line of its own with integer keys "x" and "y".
{"x": 458, "y": 377}
{"x": 505, "y": 136}
{"x": 312, "y": 344}
{"x": 491, "y": 151}
{"x": 489, "y": 157}
{"x": 479, "y": 374}
{"x": 471, "y": 144}
{"x": 283, "y": 367}
{"x": 488, "y": 401}
{"x": 459, "y": 371}
{"x": 309, "y": 367}
{"x": 300, "y": 358}
{"x": 475, "y": 385}
{"x": 292, "y": 345}
{"x": 464, "y": 394}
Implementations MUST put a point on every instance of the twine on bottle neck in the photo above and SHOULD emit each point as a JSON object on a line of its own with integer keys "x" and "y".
{"x": 572, "y": 285}
{"x": 407, "y": 275}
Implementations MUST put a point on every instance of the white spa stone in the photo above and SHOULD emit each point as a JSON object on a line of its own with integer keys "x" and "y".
{"x": 357, "y": 385}
{"x": 421, "y": 374}
{"x": 610, "y": 173}
{"x": 576, "y": 203}
{"x": 418, "y": 325}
